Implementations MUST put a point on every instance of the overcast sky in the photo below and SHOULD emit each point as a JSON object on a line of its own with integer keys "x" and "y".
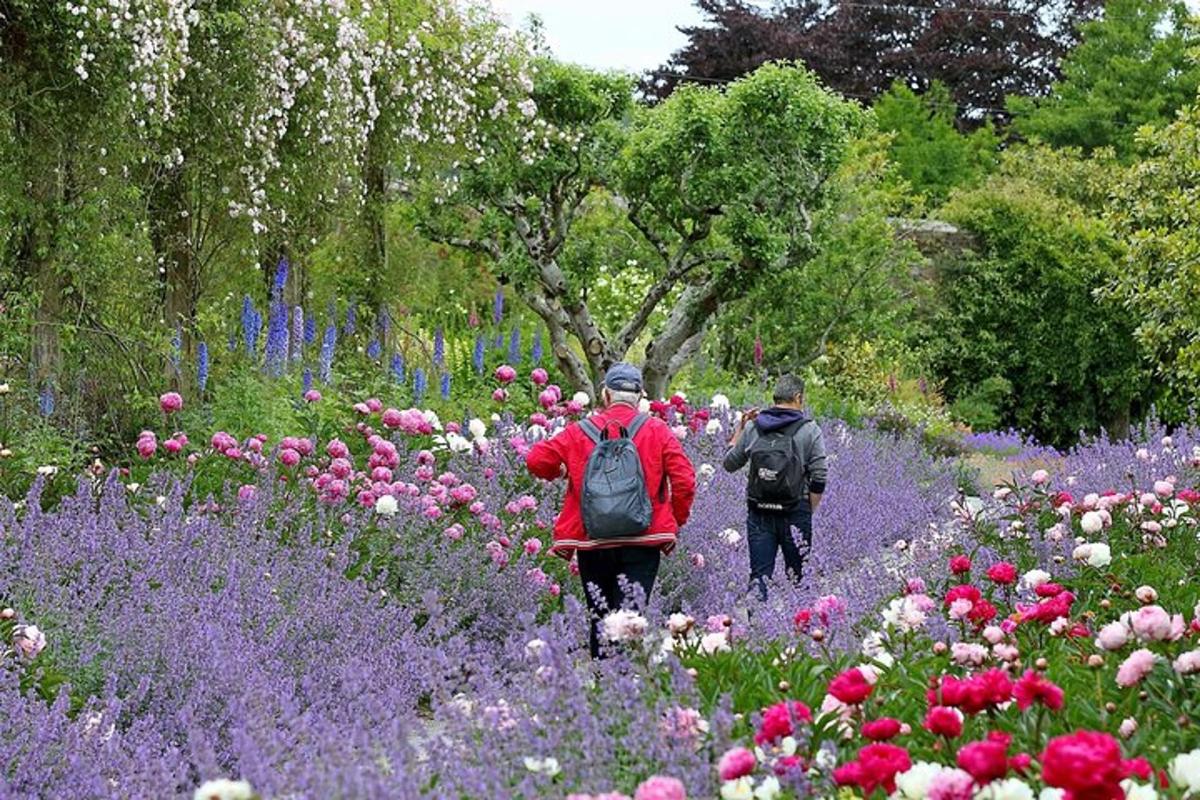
{"x": 630, "y": 35}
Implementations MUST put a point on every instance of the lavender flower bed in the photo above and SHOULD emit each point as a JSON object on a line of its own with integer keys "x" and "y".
{"x": 197, "y": 643}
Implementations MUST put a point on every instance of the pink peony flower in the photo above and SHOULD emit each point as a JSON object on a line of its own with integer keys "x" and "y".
{"x": 146, "y": 446}
{"x": 246, "y": 492}
{"x": 968, "y": 654}
{"x": 500, "y": 395}
{"x": 374, "y": 405}
{"x": 539, "y": 377}
{"x": 170, "y": 402}
{"x": 1164, "y": 488}
{"x": 312, "y": 396}
{"x": 289, "y": 457}
{"x": 28, "y": 640}
{"x": 337, "y": 449}
{"x": 533, "y": 546}
{"x": 660, "y": 788}
{"x": 1113, "y": 636}
{"x": 1188, "y": 663}
{"x": 172, "y": 445}
{"x": 1135, "y": 667}
{"x": 505, "y": 373}
{"x": 736, "y": 763}
{"x": 951, "y": 784}
{"x": 1040, "y": 476}
{"x": 1153, "y": 624}
{"x": 392, "y": 418}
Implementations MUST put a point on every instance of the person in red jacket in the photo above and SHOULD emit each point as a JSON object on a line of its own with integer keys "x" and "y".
{"x": 670, "y": 480}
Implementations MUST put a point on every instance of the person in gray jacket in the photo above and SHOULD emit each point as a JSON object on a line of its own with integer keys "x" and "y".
{"x": 786, "y": 454}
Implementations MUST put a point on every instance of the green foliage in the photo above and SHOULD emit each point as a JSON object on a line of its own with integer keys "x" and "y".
{"x": 1155, "y": 212}
{"x": 980, "y": 407}
{"x": 927, "y": 146}
{"x": 860, "y": 277}
{"x": 1131, "y": 68}
{"x": 1021, "y": 308}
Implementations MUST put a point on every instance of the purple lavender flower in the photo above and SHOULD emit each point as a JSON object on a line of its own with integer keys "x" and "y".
{"x": 535, "y": 354}
{"x": 46, "y": 400}
{"x": 202, "y": 366}
{"x": 277, "y": 339}
{"x": 251, "y": 326}
{"x": 310, "y": 328}
{"x": 177, "y": 348}
{"x": 297, "y": 342}
{"x": 281, "y": 276}
{"x": 498, "y": 307}
{"x": 385, "y": 323}
{"x": 420, "y": 385}
{"x": 397, "y": 366}
{"x": 328, "y": 343}
{"x": 478, "y": 355}
{"x": 514, "y": 347}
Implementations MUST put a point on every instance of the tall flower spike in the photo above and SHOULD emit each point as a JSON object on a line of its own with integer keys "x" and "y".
{"x": 202, "y": 365}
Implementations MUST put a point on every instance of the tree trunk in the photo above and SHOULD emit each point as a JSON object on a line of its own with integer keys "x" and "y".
{"x": 680, "y": 336}
{"x": 38, "y": 255}
{"x": 171, "y": 235}
{"x": 375, "y": 201}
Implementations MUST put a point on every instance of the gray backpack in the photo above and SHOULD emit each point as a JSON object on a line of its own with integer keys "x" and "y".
{"x": 616, "y": 502}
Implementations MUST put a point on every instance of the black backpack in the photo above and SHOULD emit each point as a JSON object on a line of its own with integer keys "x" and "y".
{"x": 616, "y": 502}
{"x": 777, "y": 477}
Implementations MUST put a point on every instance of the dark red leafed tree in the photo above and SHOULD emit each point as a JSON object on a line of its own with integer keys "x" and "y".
{"x": 982, "y": 50}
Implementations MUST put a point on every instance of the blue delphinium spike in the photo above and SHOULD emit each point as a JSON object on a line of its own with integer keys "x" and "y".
{"x": 445, "y": 385}
{"x": 420, "y": 384}
{"x": 398, "y": 368}
{"x": 202, "y": 365}
{"x": 478, "y": 356}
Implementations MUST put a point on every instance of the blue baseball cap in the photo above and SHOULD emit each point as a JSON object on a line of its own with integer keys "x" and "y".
{"x": 623, "y": 377}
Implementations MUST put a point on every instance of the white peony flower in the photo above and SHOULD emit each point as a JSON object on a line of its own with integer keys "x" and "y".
{"x": 534, "y": 647}
{"x": 679, "y": 623}
{"x": 914, "y": 783}
{"x": 1051, "y": 793}
{"x": 706, "y": 471}
{"x": 1010, "y": 789}
{"x": 1092, "y": 522}
{"x": 644, "y": 406}
{"x": 740, "y": 789}
{"x": 717, "y": 642}
{"x": 582, "y": 398}
{"x": 386, "y": 506}
{"x": 769, "y": 789}
{"x": 1184, "y": 770}
{"x": 432, "y": 419}
{"x": 1035, "y": 578}
{"x": 720, "y": 402}
{"x": 478, "y": 428}
{"x": 624, "y": 626}
{"x": 224, "y": 789}
{"x": 543, "y": 766}
{"x": 1138, "y": 791}
{"x": 713, "y": 427}
{"x": 730, "y": 536}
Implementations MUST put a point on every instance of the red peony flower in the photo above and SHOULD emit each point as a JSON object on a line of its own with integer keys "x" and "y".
{"x": 964, "y": 592}
{"x": 851, "y": 687}
{"x": 1020, "y": 763}
{"x": 982, "y": 613}
{"x": 960, "y": 565}
{"x": 975, "y": 694}
{"x": 944, "y": 721}
{"x": 1002, "y": 573}
{"x": 877, "y": 766}
{"x": 986, "y": 761}
{"x": 1049, "y": 610}
{"x": 1086, "y": 764}
{"x": 1138, "y": 768}
{"x": 1033, "y": 688}
{"x": 882, "y": 729}
{"x": 1062, "y": 498}
{"x": 779, "y": 720}
{"x": 1048, "y": 589}
{"x": 802, "y": 619}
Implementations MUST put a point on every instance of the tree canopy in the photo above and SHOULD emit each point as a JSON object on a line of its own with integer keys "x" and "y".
{"x": 982, "y": 52}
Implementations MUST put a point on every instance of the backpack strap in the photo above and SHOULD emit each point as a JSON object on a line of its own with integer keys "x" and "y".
{"x": 590, "y": 429}
{"x": 637, "y": 423}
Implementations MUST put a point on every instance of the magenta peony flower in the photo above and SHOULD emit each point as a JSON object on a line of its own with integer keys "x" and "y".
{"x": 505, "y": 373}
{"x": 170, "y": 402}
{"x": 539, "y": 377}
{"x": 660, "y": 788}
{"x": 736, "y": 763}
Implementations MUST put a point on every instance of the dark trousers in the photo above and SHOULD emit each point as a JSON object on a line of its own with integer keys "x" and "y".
{"x": 769, "y": 532}
{"x": 601, "y": 572}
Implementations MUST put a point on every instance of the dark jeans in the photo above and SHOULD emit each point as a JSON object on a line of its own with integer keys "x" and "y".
{"x": 767, "y": 533}
{"x": 601, "y": 571}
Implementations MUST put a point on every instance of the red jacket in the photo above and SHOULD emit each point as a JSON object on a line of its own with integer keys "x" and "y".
{"x": 661, "y": 455}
